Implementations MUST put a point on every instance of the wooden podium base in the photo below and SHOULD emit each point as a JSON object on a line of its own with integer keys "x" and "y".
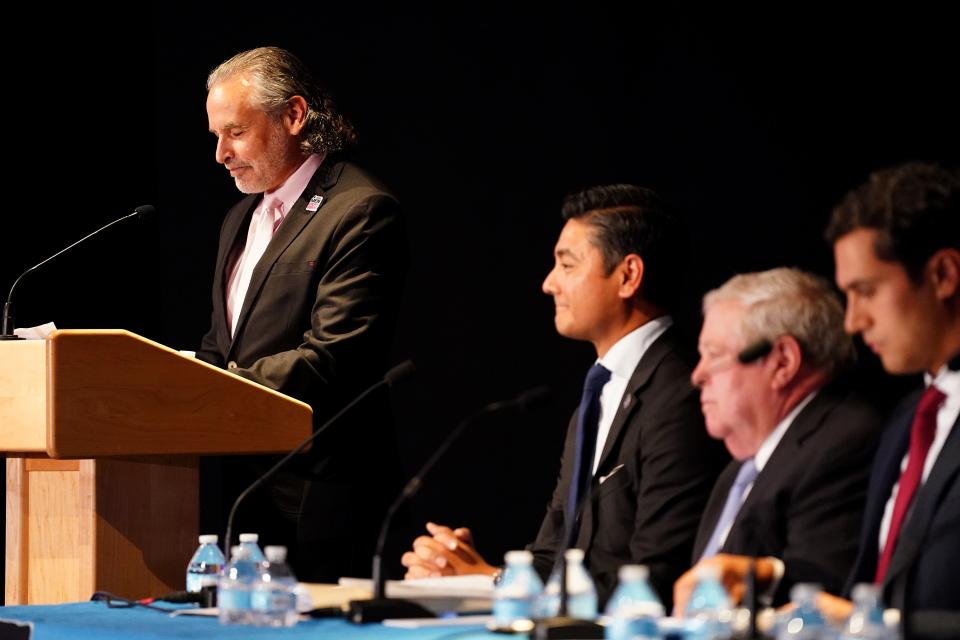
{"x": 103, "y": 430}
{"x": 128, "y": 526}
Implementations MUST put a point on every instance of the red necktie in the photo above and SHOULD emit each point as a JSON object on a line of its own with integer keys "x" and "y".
{"x": 921, "y": 437}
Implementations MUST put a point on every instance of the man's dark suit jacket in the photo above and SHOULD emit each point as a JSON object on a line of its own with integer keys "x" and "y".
{"x": 316, "y": 324}
{"x": 806, "y": 505}
{"x": 655, "y": 473}
{"x": 925, "y": 568}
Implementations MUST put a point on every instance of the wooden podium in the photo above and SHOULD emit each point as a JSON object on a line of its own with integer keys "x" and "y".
{"x": 103, "y": 431}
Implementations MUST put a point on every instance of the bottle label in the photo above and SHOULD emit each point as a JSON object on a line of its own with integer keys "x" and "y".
{"x": 233, "y": 599}
{"x": 197, "y": 581}
{"x": 507, "y": 610}
{"x": 272, "y": 600}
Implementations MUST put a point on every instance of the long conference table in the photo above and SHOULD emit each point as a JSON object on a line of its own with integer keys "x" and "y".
{"x": 97, "y": 621}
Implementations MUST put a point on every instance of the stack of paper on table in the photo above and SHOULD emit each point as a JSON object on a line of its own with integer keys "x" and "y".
{"x": 453, "y": 593}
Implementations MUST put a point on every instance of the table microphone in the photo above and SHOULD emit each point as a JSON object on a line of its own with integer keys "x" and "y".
{"x": 381, "y": 607}
{"x": 393, "y": 376}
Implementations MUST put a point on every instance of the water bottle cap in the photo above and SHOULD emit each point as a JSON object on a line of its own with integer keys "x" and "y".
{"x": 209, "y": 539}
{"x": 249, "y": 537}
{"x": 805, "y": 592}
{"x": 632, "y": 572}
{"x": 574, "y": 555}
{"x": 275, "y": 553}
{"x": 865, "y": 591}
{"x": 519, "y": 558}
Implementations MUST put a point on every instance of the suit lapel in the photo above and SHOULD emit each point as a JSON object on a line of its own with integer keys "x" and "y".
{"x": 749, "y": 524}
{"x": 632, "y": 396}
{"x": 886, "y": 470}
{"x": 711, "y": 513}
{"x": 293, "y": 223}
{"x": 628, "y": 405}
{"x": 925, "y": 504}
{"x": 805, "y": 424}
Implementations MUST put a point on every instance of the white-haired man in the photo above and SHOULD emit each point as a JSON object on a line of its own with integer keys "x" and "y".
{"x": 772, "y": 347}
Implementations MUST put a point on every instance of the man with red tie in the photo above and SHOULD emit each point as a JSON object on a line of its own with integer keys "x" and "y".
{"x": 896, "y": 242}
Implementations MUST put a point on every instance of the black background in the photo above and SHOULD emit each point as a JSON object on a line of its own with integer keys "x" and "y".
{"x": 754, "y": 124}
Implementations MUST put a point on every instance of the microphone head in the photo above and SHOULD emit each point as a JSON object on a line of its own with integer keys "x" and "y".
{"x": 145, "y": 210}
{"x": 400, "y": 372}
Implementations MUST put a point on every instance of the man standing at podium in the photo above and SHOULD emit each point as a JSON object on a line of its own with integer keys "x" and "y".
{"x": 305, "y": 297}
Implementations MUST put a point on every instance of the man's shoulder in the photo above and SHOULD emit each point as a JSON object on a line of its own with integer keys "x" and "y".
{"x": 341, "y": 177}
{"x": 667, "y": 360}
{"x": 661, "y": 382}
{"x": 839, "y": 430}
{"x": 845, "y": 414}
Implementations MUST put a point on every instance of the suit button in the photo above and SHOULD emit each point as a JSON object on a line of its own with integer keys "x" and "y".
{"x": 231, "y": 365}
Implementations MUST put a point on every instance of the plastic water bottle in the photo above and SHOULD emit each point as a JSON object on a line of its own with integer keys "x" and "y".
{"x": 273, "y": 601}
{"x": 805, "y": 622}
{"x": 710, "y": 605}
{"x": 516, "y": 593}
{"x": 634, "y": 610}
{"x": 205, "y": 565}
{"x": 233, "y": 589}
{"x": 249, "y": 541}
{"x": 866, "y": 621}
{"x": 581, "y": 592}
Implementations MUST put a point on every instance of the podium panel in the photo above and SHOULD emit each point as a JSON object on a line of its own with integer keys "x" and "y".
{"x": 103, "y": 430}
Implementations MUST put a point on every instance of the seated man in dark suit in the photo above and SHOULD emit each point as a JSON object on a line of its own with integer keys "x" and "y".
{"x": 802, "y": 444}
{"x": 897, "y": 248}
{"x": 637, "y": 465}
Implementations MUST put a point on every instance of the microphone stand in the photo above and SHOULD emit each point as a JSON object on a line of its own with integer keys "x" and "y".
{"x": 394, "y": 375}
{"x": 380, "y": 607}
{"x": 563, "y": 626}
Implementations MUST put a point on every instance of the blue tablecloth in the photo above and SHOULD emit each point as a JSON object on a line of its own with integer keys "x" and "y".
{"x": 94, "y": 620}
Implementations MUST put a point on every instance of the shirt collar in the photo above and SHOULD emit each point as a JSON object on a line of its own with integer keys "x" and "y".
{"x": 291, "y": 189}
{"x": 770, "y": 444}
{"x": 947, "y": 380}
{"x": 624, "y": 356}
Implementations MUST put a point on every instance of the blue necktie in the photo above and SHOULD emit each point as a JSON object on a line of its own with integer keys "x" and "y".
{"x": 745, "y": 477}
{"x": 586, "y": 443}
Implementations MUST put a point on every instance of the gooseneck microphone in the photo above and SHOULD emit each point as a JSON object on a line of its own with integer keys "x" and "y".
{"x": 7, "y": 334}
{"x": 380, "y": 607}
{"x": 400, "y": 372}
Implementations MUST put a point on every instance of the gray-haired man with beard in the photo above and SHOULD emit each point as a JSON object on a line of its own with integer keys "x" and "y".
{"x": 305, "y": 297}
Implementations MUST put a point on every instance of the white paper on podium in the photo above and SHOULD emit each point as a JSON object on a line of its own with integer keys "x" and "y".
{"x": 39, "y": 332}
